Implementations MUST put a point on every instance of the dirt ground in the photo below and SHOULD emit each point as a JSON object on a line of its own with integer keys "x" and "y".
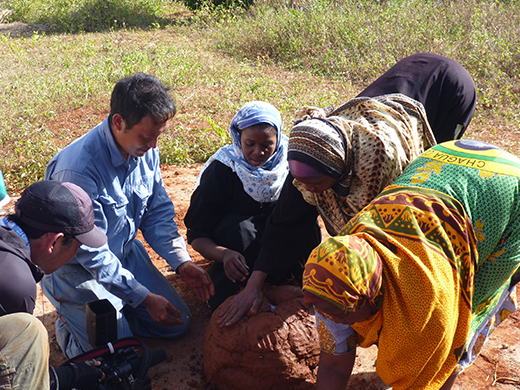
{"x": 498, "y": 366}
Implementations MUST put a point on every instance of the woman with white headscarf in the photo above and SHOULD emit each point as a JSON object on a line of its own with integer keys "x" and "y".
{"x": 235, "y": 193}
{"x": 341, "y": 159}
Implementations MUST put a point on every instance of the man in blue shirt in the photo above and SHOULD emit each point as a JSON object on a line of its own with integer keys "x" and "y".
{"x": 117, "y": 164}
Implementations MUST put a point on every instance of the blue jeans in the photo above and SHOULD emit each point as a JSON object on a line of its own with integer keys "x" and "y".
{"x": 72, "y": 286}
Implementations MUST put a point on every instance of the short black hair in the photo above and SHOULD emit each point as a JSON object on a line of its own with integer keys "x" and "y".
{"x": 136, "y": 96}
{"x": 34, "y": 234}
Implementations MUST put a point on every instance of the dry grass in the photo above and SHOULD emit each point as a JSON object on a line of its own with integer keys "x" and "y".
{"x": 54, "y": 86}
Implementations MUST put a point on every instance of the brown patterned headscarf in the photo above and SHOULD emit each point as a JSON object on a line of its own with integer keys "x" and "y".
{"x": 324, "y": 145}
{"x": 366, "y": 144}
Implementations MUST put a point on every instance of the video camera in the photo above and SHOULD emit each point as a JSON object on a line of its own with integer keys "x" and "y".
{"x": 125, "y": 362}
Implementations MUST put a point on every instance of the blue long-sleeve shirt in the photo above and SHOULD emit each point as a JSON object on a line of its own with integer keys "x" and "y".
{"x": 128, "y": 195}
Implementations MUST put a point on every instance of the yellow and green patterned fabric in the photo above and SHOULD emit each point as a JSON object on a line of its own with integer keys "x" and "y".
{"x": 447, "y": 236}
{"x": 489, "y": 192}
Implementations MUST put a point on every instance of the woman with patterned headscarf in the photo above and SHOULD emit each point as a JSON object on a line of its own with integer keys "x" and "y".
{"x": 342, "y": 160}
{"x": 359, "y": 148}
{"x": 235, "y": 193}
{"x": 426, "y": 271}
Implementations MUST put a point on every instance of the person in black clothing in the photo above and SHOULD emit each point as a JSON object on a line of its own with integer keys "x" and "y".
{"x": 52, "y": 219}
{"x": 235, "y": 194}
{"x": 442, "y": 85}
{"x": 438, "y": 84}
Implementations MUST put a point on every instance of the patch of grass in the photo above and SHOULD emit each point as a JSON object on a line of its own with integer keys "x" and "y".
{"x": 216, "y": 5}
{"x": 29, "y": 151}
{"x": 55, "y": 88}
{"x": 189, "y": 146}
{"x": 358, "y": 40}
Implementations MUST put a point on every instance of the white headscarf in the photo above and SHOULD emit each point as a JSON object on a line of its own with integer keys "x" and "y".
{"x": 264, "y": 183}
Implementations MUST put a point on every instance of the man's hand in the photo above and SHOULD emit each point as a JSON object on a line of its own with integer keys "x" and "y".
{"x": 235, "y": 266}
{"x": 162, "y": 311}
{"x": 197, "y": 279}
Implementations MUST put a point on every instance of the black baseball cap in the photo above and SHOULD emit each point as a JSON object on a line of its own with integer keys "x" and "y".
{"x": 60, "y": 207}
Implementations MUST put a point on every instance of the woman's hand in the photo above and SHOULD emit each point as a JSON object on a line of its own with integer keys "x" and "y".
{"x": 334, "y": 370}
{"x": 246, "y": 301}
{"x": 235, "y": 266}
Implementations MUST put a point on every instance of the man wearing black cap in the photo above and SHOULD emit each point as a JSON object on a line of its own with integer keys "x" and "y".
{"x": 117, "y": 163}
{"x": 52, "y": 219}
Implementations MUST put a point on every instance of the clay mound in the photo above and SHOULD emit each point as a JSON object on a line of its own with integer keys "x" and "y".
{"x": 275, "y": 349}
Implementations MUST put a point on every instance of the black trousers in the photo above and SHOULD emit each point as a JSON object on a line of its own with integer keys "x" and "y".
{"x": 241, "y": 234}
{"x": 445, "y": 89}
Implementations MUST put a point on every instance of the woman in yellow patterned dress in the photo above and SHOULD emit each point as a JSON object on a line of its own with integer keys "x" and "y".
{"x": 426, "y": 271}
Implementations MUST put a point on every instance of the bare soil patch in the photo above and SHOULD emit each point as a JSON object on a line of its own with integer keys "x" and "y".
{"x": 18, "y": 29}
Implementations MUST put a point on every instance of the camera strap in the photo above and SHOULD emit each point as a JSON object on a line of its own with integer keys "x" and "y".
{"x": 113, "y": 347}
{"x": 110, "y": 348}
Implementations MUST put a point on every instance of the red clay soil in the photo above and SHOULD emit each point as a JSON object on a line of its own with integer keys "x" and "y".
{"x": 275, "y": 349}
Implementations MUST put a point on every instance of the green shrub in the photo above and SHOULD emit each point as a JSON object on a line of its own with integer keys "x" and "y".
{"x": 195, "y": 5}
{"x": 88, "y": 15}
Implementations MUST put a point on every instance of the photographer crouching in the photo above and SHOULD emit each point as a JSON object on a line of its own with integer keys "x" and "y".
{"x": 51, "y": 220}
